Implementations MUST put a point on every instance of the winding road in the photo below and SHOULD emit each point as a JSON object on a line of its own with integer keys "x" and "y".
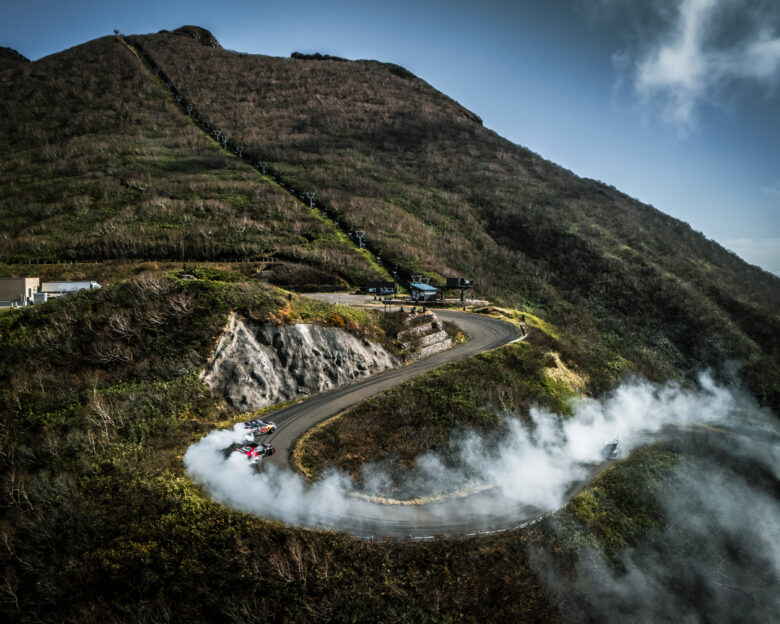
{"x": 484, "y": 333}
{"x": 530, "y": 481}
{"x": 475, "y": 513}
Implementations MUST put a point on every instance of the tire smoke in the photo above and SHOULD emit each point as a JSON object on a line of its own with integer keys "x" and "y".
{"x": 525, "y": 475}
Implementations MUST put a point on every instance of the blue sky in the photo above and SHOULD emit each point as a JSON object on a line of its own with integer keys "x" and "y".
{"x": 675, "y": 102}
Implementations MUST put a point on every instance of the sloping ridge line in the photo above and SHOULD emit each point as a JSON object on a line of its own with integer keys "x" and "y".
{"x": 231, "y": 146}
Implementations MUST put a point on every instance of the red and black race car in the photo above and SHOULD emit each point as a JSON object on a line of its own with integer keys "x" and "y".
{"x": 258, "y": 427}
{"x": 255, "y": 451}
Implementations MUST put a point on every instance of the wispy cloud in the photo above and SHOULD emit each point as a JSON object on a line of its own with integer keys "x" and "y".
{"x": 705, "y": 48}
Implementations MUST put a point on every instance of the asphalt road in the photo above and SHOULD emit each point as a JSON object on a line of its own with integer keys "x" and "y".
{"x": 487, "y": 511}
{"x": 479, "y": 512}
{"x": 484, "y": 333}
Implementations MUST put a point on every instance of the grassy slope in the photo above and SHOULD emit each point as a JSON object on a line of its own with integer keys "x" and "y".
{"x": 99, "y": 163}
{"x": 99, "y": 401}
{"x": 421, "y": 415}
{"x": 437, "y": 191}
{"x": 99, "y": 395}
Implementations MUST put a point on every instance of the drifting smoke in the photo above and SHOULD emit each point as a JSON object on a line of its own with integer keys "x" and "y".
{"x": 536, "y": 465}
{"x": 275, "y": 492}
{"x": 717, "y": 558}
{"x": 526, "y": 474}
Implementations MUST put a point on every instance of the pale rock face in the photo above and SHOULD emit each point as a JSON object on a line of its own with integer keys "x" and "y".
{"x": 259, "y": 365}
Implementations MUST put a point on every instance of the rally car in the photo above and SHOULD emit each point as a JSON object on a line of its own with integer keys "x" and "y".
{"x": 255, "y": 451}
{"x": 611, "y": 450}
{"x": 258, "y": 427}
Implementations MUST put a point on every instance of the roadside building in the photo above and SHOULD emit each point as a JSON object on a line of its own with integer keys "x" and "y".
{"x": 18, "y": 291}
{"x": 458, "y": 282}
{"x": 423, "y": 292}
{"x": 461, "y": 284}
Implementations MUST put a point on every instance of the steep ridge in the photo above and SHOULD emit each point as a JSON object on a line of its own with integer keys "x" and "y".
{"x": 9, "y": 54}
{"x": 233, "y": 146}
{"x": 437, "y": 192}
{"x": 99, "y": 164}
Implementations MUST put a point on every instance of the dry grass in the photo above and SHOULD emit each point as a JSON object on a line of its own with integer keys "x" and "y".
{"x": 100, "y": 164}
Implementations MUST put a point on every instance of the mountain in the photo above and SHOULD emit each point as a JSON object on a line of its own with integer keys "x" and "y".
{"x": 127, "y": 156}
{"x": 102, "y": 163}
{"x": 10, "y": 55}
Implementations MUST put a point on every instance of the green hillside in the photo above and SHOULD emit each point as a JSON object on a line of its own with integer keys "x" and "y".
{"x": 436, "y": 191}
{"x": 106, "y": 176}
{"x": 99, "y": 164}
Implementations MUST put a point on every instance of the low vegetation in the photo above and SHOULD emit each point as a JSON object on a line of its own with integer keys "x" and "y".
{"x": 100, "y": 398}
{"x": 105, "y": 179}
{"x": 99, "y": 164}
{"x": 424, "y": 414}
{"x": 438, "y": 193}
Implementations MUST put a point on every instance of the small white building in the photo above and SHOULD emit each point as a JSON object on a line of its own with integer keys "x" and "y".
{"x": 18, "y": 291}
{"x": 24, "y": 291}
{"x": 56, "y": 289}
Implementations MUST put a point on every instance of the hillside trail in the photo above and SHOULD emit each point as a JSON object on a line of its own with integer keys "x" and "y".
{"x": 236, "y": 149}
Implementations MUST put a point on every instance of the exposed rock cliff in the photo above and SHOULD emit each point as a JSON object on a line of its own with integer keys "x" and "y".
{"x": 259, "y": 365}
{"x": 425, "y": 338}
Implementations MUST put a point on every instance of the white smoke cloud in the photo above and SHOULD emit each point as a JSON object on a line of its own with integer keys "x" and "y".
{"x": 536, "y": 465}
{"x": 527, "y": 473}
{"x": 708, "y": 47}
{"x": 717, "y": 558}
{"x": 276, "y": 493}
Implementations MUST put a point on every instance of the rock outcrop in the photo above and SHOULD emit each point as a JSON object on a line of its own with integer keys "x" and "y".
{"x": 425, "y": 338}
{"x": 258, "y": 365}
{"x": 201, "y": 35}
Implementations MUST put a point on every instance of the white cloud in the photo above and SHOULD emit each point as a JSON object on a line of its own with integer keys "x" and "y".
{"x": 698, "y": 56}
